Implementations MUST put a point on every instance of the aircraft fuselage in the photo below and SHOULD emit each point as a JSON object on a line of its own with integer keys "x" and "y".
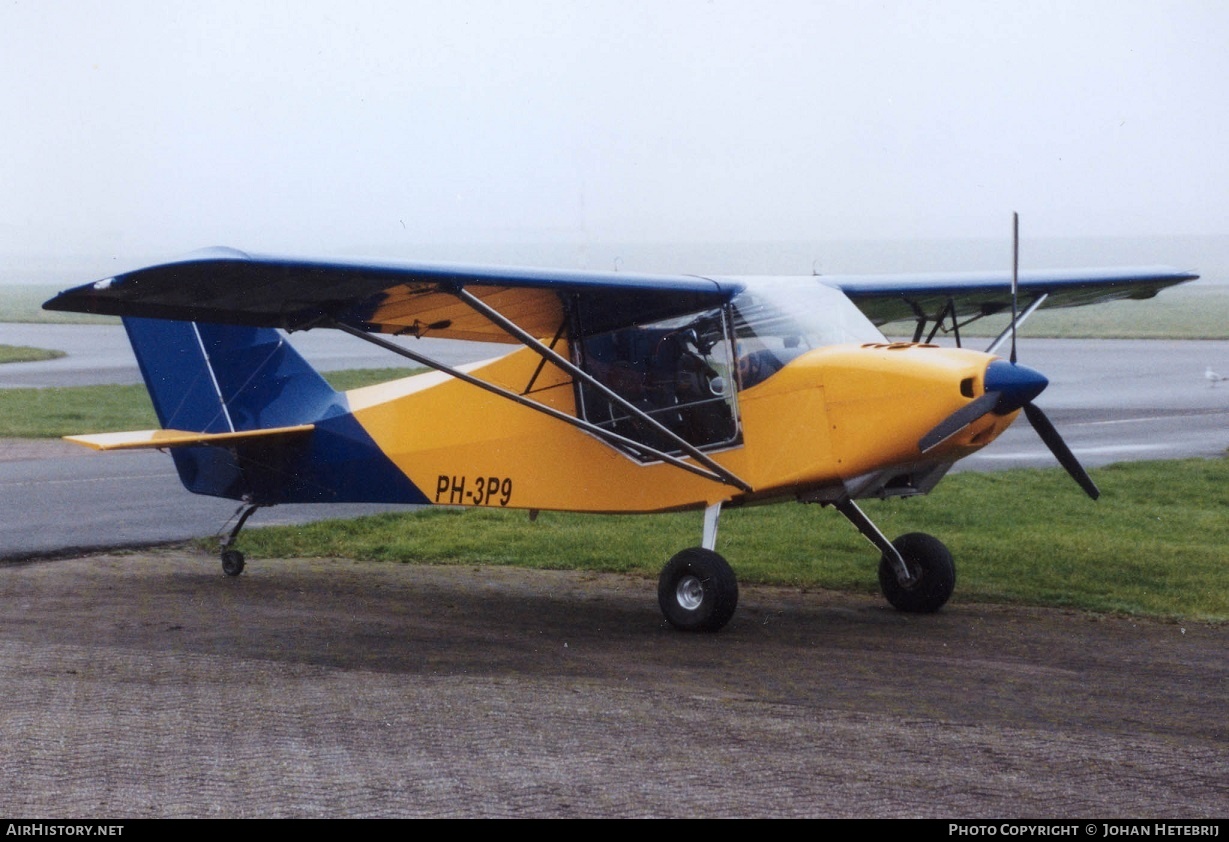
{"x": 838, "y": 420}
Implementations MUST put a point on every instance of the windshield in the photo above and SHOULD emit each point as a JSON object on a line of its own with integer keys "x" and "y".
{"x": 681, "y": 375}
{"x": 777, "y": 319}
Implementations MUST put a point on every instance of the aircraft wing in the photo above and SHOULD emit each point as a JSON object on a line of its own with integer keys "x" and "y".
{"x": 485, "y": 304}
{"x": 227, "y": 286}
{"x": 890, "y": 298}
{"x": 230, "y": 287}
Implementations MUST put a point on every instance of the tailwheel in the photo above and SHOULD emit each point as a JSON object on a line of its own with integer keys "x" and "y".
{"x": 932, "y": 574}
{"x": 697, "y": 591}
{"x": 232, "y": 562}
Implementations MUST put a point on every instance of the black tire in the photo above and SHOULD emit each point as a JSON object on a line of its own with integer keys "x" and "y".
{"x": 931, "y": 565}
{"x": 697, "y": 591}
{"x": 232, "y": 562}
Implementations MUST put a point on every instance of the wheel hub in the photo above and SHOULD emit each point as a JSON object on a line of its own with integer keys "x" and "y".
{"x": 690, "y": 592}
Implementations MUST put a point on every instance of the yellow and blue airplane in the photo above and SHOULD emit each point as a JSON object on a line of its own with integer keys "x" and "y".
{"x": 628, "y": 393}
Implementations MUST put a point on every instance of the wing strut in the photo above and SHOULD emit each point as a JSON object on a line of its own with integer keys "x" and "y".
{"x": 719, "y": 475}
{"x": 1017, "y": 322}
{"x": 949, "y": 307}
{"x": 568, "y": 366}
{"x": 921, "y": 319}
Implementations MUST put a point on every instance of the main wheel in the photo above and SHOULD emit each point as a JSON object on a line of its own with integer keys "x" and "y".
{"x": 934, "y": 574}
{"x": 232, "y": 562}
{"x": 697, "y": 591}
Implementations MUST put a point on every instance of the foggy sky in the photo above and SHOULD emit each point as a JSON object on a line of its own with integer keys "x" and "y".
{"x": 150, "y": 128}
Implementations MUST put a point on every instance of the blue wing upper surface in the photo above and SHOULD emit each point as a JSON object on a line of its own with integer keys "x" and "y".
{"x": 230, "y": 287}
{"x": 889, "y": 298}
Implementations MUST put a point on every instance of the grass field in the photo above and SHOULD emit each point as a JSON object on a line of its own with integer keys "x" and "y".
{"x": 55, "y": 412}
{"x": 1185, "y": 312}
{"x": 25, "y": 354}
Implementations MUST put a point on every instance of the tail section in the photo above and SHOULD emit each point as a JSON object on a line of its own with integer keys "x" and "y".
{"x": 211, "y": 378}
{"x": 246, "y": 417}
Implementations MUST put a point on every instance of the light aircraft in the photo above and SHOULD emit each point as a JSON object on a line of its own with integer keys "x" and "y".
{"x": 628, "y": 393}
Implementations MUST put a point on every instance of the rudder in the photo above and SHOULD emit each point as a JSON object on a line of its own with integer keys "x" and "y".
{"x": 211, "y": 378}
{"x": 214, "y": 378}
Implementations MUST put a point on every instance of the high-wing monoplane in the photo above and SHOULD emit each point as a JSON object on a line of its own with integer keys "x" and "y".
{"x": 626, "y": 393}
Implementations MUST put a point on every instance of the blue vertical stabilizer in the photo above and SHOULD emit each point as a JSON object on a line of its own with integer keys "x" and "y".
{"x": 211, "y": 378}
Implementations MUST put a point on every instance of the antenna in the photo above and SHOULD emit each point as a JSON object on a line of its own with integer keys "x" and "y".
{"x": 1015, "y": 278}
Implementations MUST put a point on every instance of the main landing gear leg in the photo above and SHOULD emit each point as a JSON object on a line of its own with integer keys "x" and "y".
{"x": 916, "y": 572}
{"x": 232, "y": 560}
{"x": 697, "y": 589}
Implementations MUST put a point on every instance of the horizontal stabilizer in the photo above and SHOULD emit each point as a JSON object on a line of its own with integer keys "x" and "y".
{"x": 159, "y": 439}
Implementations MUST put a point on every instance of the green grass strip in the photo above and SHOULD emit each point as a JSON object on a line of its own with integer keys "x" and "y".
{"x": 1153, "y": 545}
{"x": 49, "y": 413}
{"x": 26, "y": 354}
{"x": 55, "y": 412}
{"x": 1185, "y": 312}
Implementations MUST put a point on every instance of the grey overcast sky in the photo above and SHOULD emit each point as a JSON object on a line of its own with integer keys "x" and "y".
{"x": 159, "y": 127}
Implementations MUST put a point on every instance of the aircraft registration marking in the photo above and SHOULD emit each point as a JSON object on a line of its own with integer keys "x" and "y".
{"x": 476, "y": 491}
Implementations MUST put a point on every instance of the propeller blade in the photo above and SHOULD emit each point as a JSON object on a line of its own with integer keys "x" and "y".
{"x": 958, "y": 420}
{"x": 1059, "y": 448}
{"x": 1015, "y": 279}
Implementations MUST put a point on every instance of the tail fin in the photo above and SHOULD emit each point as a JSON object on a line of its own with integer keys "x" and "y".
{"x": 212, "y": 378}
{"x": 222, "y": 385}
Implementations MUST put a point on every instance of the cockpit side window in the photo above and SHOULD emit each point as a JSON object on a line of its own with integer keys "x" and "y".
{"x": 679, "y": 373}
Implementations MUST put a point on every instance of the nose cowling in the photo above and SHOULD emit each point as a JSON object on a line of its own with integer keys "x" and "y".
{"x": 1016, "y": 385}
{"x": 1008, "y": 387}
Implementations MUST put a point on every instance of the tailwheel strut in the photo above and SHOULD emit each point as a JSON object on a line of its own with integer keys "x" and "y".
{"x": 233, "y": 560}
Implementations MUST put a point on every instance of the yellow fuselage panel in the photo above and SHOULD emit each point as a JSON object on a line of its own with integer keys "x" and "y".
{"x": 882, "y": 399}
{"x": 464, "y": 446}
{"x": 832, "y": 413}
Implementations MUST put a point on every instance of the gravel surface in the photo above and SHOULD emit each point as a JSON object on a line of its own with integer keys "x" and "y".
{"x": 146, "y": 684}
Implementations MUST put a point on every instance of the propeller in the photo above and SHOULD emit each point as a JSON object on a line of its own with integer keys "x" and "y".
{"x": 958, "y": 420}
{"x": 1010, "y": 386}
{"x": 1015, "y": 279}
{"x": 1059, "y": 448}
